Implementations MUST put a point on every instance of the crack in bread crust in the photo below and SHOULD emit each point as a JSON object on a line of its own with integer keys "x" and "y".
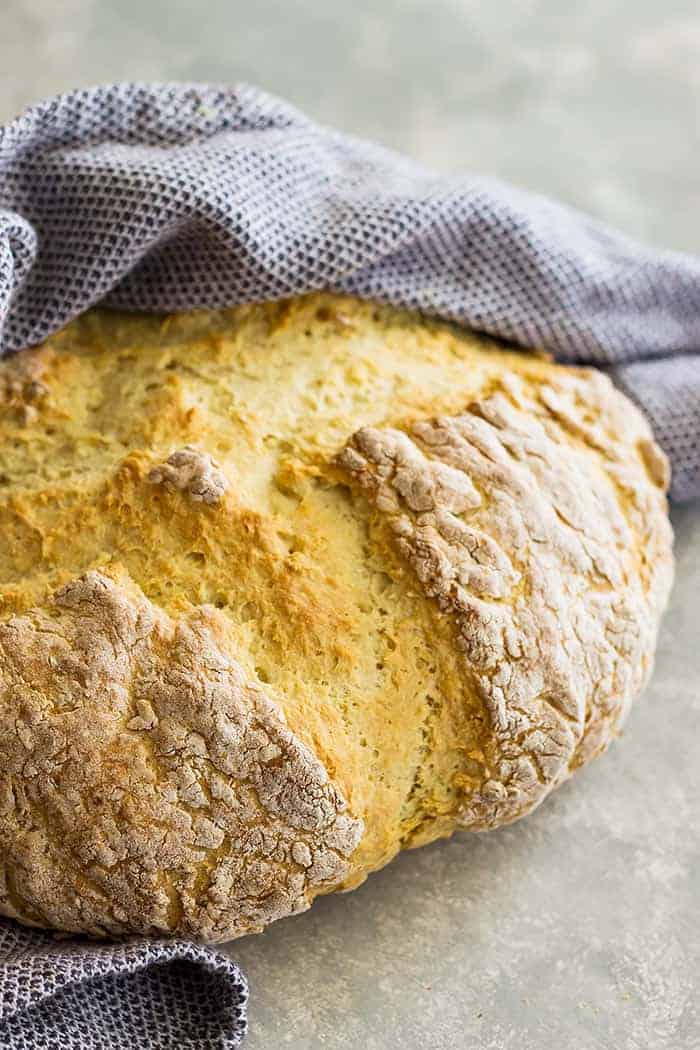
{"x": 146, "y": 782}
{"x": 533, "y": 550}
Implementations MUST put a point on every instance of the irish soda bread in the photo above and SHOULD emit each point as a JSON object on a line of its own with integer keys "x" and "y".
{"x": 286, "y": 588}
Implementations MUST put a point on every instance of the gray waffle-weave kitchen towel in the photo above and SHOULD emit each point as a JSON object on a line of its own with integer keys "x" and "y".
{"x": 169, "y": 196}
{"x": 140, "y": 995}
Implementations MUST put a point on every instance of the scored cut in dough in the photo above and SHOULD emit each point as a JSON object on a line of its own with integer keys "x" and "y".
{"x": 286, "y": 588}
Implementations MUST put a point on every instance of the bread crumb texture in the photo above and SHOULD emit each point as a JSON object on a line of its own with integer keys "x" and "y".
{"x": 288, "y": 587}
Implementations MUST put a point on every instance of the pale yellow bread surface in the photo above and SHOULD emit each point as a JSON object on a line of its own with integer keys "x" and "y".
{"x": 286, "y": 588}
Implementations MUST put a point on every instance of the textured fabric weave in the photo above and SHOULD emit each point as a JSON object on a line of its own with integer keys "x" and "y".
{"x": 145, "y": 995}
{"x": 171, "y": 196}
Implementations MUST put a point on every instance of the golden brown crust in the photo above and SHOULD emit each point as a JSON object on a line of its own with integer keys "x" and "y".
{"x": 246, "y": 656}
{"x": 148, "y": 785}
{"x": 521, "y": 540}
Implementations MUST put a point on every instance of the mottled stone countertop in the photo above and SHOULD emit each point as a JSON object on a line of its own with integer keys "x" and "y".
{"x": 578, "y": 928}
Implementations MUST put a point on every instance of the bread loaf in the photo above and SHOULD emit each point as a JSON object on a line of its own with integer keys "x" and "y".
{"x": 287, "y": 588}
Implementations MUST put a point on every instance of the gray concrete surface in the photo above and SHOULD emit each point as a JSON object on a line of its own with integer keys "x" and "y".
{"x": 578, "y": 929}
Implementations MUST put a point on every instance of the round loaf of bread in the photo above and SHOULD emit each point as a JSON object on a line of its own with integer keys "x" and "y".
{"x": 289, "y": 587}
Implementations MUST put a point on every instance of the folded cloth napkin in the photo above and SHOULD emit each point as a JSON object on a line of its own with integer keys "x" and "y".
{"x": 174, "y": 196}
{"x": 139, "y": 995}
